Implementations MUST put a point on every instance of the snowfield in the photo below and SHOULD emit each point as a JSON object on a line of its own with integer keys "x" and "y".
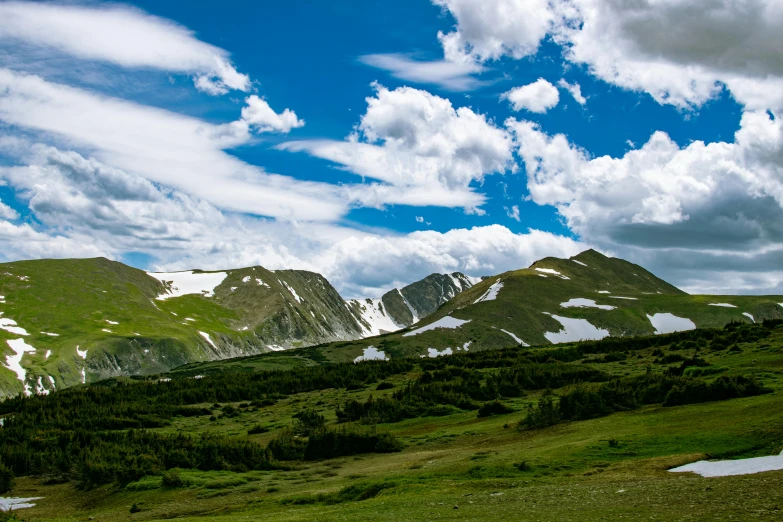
{"x": 574, "y": 330}
{"x": 374, "y": 314}
{"x": 444, "y": 322}
{"x": 371, "y": 353}
{"x": 585, "y": 303}
{"x": 14, "y": 362}
{"x": 184, "y": 283}
{"x": 727, "y": 468}
{"x": 668, "y": 323}
{"x": 491, "y": 294}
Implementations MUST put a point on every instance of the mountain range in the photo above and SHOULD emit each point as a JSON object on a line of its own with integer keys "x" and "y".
{"x": 67, "y": 322}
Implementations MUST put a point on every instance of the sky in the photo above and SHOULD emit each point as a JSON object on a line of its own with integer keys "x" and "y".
{"x": 377, "y": 142}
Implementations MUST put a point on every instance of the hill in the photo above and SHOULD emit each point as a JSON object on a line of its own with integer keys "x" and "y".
{"x": 67, "y": 322}
{"x": 579, "y": 431}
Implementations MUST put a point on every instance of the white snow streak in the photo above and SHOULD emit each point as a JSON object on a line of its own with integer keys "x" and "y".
{"x": 206, "y": 336}
{"x": 724, "y": 305}
{"x": 578, "y": 262}
{"x": 517, "y": 339}
{"x": 14, "y": 362}
{"x": 184, "y": 283}
{"x": 293, "y": 292}
{"x": 726, "y": 468}
{"x": 553, "y": 272}
{"x": 585, "y": 303}
{"x": 746, "y": 314}
{"x": 492, "y": 293}
{"x": 444, "y": 322}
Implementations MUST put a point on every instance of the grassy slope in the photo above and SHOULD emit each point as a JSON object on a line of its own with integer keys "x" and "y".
{"x": 460, "y": 460}
{"x": 76, "y": 299}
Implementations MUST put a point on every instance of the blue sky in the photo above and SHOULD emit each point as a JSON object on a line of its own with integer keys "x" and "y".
{"x": 671, "y": 160}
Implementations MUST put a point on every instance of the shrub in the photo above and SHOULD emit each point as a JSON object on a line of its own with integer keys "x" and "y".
{"x": 493, "y": 408}
{"x": 384, "y": 386}
{"x": 172, "y": 479}
{"x": 307, "y": 422}
{"x": 7, "y": 479}
{"x": 545, "y": 413}
{"x": 255, "y": 430}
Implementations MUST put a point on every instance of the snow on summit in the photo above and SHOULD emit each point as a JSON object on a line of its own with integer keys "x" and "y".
{"x": 189, "y": 282}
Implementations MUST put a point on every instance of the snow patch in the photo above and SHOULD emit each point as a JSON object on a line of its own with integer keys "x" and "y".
{"x": 9, "y": 325}
{"x": 14, "y": 362}
{"x": 48, "y": 354}
{"x": 727, "y": 468}
{"x": 603, "y": 291}
{"x": 106, "y": 330}
{"x": 492, "y": 293}
{"x": 206, "y": 336}
{"x": 293, "y": 292}
{"x": 184, "y": 283}
{"x": 578, "y": 262}
{"x": 14, "y": 503}
{"x": 371, "y": 353}
{"x": 465, "y": 346}
{"x": 444, "y": 322}
{"x": 50, "y": 334}
{"x": 80, "y": 353}
{"x": 374, "y": 314}
{"x": 246, "y": 279}
{"x": 261, "y": 283}
{"x": 585, "y": 303}
{"x": 275, "y": 348}
{"x": 724, "y": 305}
{"x": 111, "y": 322}
{"x": 432, "y": 353}
{"x": 746, "y": 314}
{"x": 620, "y": 297}
{"x": 669, "y": 323}
{"x": 189, "y": 319}
{"x": 552, "y": 272}
{"x": 517, "y": 339}
{"x": 574, "y": 330}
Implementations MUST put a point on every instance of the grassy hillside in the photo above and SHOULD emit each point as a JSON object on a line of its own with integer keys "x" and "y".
{"x": 448, "y": 455}
{"x": 88, "y": 319}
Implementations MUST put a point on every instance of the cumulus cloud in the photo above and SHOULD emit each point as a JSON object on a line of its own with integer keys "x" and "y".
{"x": 7, "y": 212}
{"x": 178, "y": 151}
{"x": 722, "y": 201}
{"x": 512, "y": 212}
{"x": 539, "y": 96}
{"x": 574, "y": 89}
{"x": 123, "y": 36}
{"x": 421, "y": 149}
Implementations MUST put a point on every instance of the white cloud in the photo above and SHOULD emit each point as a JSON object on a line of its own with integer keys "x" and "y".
{"x": 681, "y": 52}
{"x": 422, "y": 149}
{"x": 178, "y": 151}
{"x": 490, "y": 29}
{"x": 512, "y": 212}
{"x": 260, "y": 116}
{"x": 420, "y": 219}
{"x": 574, "y": 89}
{"x": 539, "y": 96}
{"x": 121, "y": 35}
{"x": 452, "y": 76}
{"x": 666, "y": 205}
{"x": 7, "y": 212}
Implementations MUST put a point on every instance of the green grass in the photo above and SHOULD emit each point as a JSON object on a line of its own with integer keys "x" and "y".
{"x": 601, "y": 469}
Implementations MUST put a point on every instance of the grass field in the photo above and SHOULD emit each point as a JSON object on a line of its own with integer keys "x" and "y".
{"x": 460, "y": 467}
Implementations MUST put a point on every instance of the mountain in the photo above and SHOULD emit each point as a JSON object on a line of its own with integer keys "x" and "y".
{"x": 589, "y": 296}
{"x": 399, "y": 308}
{"x": 66, "y": 322}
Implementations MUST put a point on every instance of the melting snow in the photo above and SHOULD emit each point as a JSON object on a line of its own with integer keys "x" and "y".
{"x": 432, "y": 352}
{"x": 574, "y": 330}
{"x": 541, "y": 275}
{"x": 517, "y": 339}
{"x": 9, "y": 325}
{"x": 275, "y": 348}
{"x": 578, "y": 262}
{"x": 206, "y": 336}
{"x": 374, "y": 314}
{"x": 246, "y": 279}
{"x": 293, "y": 292}
{"x": 603, "y": 291}
{"x": 48, "y": 354}
{"x": 492, "y": 293}
{"x": 444, "y": 322}
{"x": 619, "y": 297}
{"x": 465, "y": 346}
{"x": 726, "y": 468}
{"x": 39, "y": 387}
{"x": 746, "y": 314}
{"x": 189, "y": 319}
{"x": 412, "y": 310}
{"x": 183, "y": 283}
{"x": 585, "y": 303}
{"x": 111, "y": 322}
{"x": 553, "y": 272}
{"x": 261, "y": 283}
{"x": 14, "y": 503}
{"x": 668, "y": 323}
{"x": 80, "y": 353}
{"x": 50, "y": 334}
{"x": 83, "y": 355}
{"x": 371, "y": 353}
{"x": 106, "y": 330}
{"x": 14, "y": 362}
{"x": 724, "y": 305}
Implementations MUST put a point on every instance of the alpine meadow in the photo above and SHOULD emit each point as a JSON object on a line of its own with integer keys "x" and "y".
{"x": 470, "y": 260}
